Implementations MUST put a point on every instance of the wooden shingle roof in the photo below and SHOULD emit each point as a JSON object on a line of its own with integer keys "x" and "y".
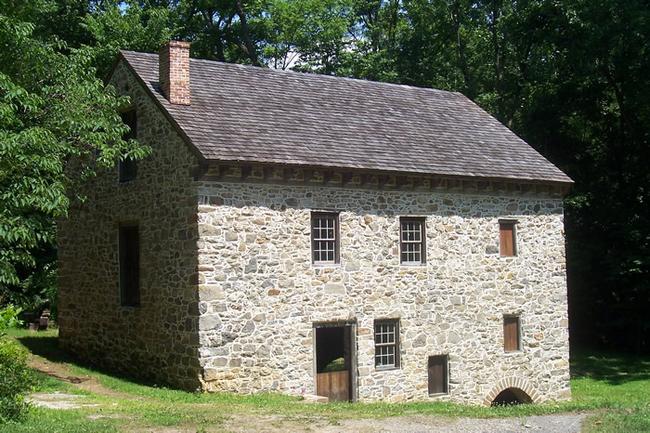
{"x": 252, "y": 114}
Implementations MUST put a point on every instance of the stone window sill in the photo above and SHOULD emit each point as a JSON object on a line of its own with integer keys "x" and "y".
{"x": 386, "y": 368}
{"x": 438, "y": 394}
{"x": 414, "y": 266}
{"x": 326, "y": 265}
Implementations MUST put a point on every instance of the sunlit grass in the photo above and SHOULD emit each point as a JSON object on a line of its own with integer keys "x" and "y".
{"x": 618, "y": 388}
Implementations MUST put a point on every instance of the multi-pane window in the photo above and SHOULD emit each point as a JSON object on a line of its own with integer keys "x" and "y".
{"x": 438, "y": 374}
{"x": 511, "y": 333}
{"x": 129, "y": 258}
{"x": 387, "y": 344}
{"x": 507, "y": 238}
{"x": 127, "y": 167}
{"x": 324, "y": 238}
{"x": 412, "y": 241}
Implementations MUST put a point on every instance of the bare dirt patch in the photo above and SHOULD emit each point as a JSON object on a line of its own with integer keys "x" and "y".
{"x": 568, "y": 423}
{"x": 58, "y": 400}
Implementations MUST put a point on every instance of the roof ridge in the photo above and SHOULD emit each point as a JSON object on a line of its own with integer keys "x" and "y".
{"x": 309, "y": 74}
{"x": 322, "y": 120}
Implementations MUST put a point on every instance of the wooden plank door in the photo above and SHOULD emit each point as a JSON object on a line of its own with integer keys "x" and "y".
{"x": 334, "y": 385}
{"x": 437, "y": 374}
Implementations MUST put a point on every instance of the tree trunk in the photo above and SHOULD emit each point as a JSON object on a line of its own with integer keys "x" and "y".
{"x": 245, "y": 33}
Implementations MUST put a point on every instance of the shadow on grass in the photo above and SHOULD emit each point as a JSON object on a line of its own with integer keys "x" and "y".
{"x": 614, "y": 369}
{"x": 47, "y": 346}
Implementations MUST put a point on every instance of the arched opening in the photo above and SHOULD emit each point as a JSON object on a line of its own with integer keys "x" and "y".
{"x": 511, "y": 396}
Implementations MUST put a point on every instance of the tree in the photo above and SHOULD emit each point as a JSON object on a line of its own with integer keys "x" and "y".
{"x": 58, "y": 124}
{"x": 308, "y": 35}
{"x": 225, "y": 30}
{"x": 126, "y": 26}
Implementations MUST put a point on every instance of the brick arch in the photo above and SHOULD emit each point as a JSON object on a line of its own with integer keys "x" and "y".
{"x": 511, "y": 382}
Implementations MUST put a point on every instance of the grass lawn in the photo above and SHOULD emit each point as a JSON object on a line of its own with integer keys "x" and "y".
{"x": 617, "y": 389}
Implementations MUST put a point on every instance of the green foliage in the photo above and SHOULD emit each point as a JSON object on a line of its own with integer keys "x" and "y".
{"x": 309, "y": 35}
{"x": 15, "y": 380}
{"x": 337, "y": 364}
{"x": 9, "y": 318}
{"x": 58, "y": 124}
{"x": 126, "y": 26}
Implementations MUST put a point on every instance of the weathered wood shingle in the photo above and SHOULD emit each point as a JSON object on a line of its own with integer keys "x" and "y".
{"x": 244, "y": 113}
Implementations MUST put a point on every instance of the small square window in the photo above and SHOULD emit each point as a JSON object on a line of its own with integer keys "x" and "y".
{"x": 511, "y": 333}
{"x": 438, "y": 374}
{"x": 127, "y": 167}
{"x": 412, "y": 241}
{"x": 129, "y": 262}
{"x": 387, "y": 343}
{"x": 507, "y": 238}
{"x": 325, "y": 238}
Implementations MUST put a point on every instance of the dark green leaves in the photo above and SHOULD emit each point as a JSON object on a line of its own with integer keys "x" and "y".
{"x": 58, "y": 123}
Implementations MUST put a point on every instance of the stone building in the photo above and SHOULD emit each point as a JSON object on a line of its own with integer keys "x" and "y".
{"x": 308, "y": 234}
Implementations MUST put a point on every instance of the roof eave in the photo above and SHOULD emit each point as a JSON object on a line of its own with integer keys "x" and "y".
{"x": 564, "y": 185}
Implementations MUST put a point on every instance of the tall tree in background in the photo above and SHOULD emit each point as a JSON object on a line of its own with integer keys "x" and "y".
{"x": 225, "y": 30}
{"x": 125, "y": 26}
{"x": 307, "y": 35}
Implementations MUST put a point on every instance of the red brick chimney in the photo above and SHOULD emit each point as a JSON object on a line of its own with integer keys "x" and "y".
{"x": 174, "y": 71}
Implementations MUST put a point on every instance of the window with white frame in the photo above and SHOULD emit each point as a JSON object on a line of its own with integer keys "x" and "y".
{"x": 324, "y": 237}
{"x": 412, "y": 241}
{"x": 387, "y": 343}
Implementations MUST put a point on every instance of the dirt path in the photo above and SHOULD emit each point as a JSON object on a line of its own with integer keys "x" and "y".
{"x": 254, "y": 423}
{"x": 566, "y": 423}
{"x": 62, "y": 372}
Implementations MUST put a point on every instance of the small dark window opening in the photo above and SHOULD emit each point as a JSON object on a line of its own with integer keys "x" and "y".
{"x": 129, "y": 257}
{"x": 511, "y": 333}
{"x": 412, "y": 241}
{"x": 507, "y": 238}
{"x": 438, "y": 374}
{"x": 127, "y": 167}
{"x": 387, "y": 343}
{"x": 325, "y": 238}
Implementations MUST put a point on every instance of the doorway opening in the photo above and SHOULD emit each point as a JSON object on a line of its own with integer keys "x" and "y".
{"x": 335, "y": 361}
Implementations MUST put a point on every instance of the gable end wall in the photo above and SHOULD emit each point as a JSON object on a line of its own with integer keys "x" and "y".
{"x": 159, "y": 339}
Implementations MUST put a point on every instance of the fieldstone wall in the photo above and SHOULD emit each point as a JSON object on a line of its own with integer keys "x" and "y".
{"x": 229, "y": 295}
{"x": 159, "y": 339}
{"x": 260, "y": 294}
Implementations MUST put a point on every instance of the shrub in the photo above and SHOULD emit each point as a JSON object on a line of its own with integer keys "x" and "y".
{"x": 15, "y": 377}
{"x": 336, "y": 365}
{"x": 9, "y": 318}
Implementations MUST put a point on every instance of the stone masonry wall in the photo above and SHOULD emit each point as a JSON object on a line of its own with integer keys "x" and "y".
{"x": 260, "y": 294}
{"x": 159, "y": 339}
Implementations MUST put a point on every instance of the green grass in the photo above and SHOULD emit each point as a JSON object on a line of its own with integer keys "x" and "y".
{"x": 620, "y": 384}
{"x": 616, "y": 388}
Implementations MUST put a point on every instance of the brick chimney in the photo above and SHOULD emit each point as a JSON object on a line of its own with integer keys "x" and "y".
{"x": 174, "y": 71}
